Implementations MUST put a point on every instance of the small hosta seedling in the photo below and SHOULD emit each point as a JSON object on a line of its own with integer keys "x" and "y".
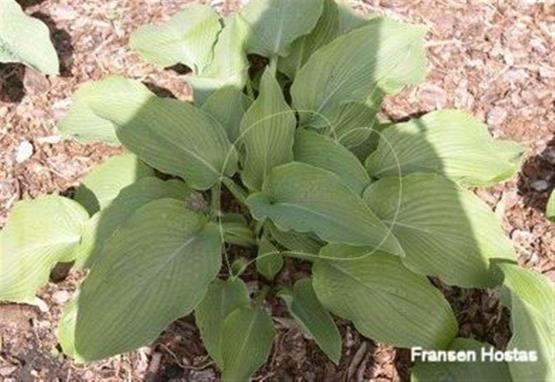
{"x": 284, "y": 117}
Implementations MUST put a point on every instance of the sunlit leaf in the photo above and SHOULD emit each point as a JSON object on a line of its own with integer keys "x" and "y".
{"x": 448, "y": 142}
{"x": 313, "y": 318}
{"x": 384, "y": 300}
{"x": 444, "y": 230}
{"x": 158, "y": 267}
{"x": 531, "y": 299}
{"x": 304, "y": 198}
{"x": 268, "y": 133}
{"x": 228, "y": 67}
{"x": 248, "y": 335}
{"x": 39, "y": 233}
{"x": 103, "y": 183}
{"x": 187, "y": 38}
{"x": 222, "y": 298}
{"x": 25, "y": 39}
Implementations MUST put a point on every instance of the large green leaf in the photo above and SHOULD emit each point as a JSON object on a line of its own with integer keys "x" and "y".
{"x": 313, "y": 318}
{"x": 81, "y": 123}
{"x": 187, "y": 38}
{"x": 320, "y": 151}
{"x": 463, "y": 371}
{"x": 275, "y": 24}
{"x": 228, "y": 105}
{"x": 550, "y": 210}
{"x": 103, "y": 183}
{"x": 222, "y": 298}
{"x": 39, "y": 233}
{"x": 247, "y": 339}
{"x": 379, "y": 58}
{"x": 383, "y": 299}
{"x": 268, "y": 133}
{"x": 229, "y": 65}
{"x": 448, "y": 142}
{"x": 155, "y": 269}
{"x": 269, "y": 260}
{"x": 445, "y": 230}
{"x": 171, "y": 136}
{"x": 531, "y": 298}
{"x": 25, "y": 39}
{"x": 105, "y": 223}
{"x": 304, "y": 198}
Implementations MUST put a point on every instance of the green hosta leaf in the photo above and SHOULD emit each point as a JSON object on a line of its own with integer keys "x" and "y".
{"x": 320, "y": 151}
{"x": 304, "y": 198}
{"x": 313, "y": 318}
{"x": 379, "y": 58}
{"x": 39, "y": 233}
{"x": 229, "y": 65}
{"x": 237, "y": 231}
{"x": 550, "y": 210}
{"x": 269, "y": 260}
{"x": 81, "y": 123}
{"x": 103, "y": 183}
{"x": 102, "y": 226}
{"x": 25, "y": 39}
{"x": 385, "y": 301}
{"x": 186, "y": 38}
{"x": 171, "y": 136}
{"x": 228, "y": 105}
{"x": 246, "y": 342}
{"x": 447, "y": 142}
{"x": 295, "y": 241}
{"x": 325, "y": 31}
{"x": 531, "y": 298}
{"x": 268, "y": 133}
{"x": 353, "y": 125}
{"x": 489, "y": 371}
{"x": 445, "y": 231}
{"x": 222, "y": 298}
{"x": 349, "y": 19}
{"x": 155, "y": 269}
{"x": 275, "y": 24}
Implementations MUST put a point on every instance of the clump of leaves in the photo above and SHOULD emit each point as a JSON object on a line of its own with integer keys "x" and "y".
{"x": 25, "y": 40}
{"x": 375, "y": 207}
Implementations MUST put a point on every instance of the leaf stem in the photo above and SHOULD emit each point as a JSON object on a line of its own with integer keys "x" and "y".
{"x": 236, "y": 190}
{"x": 215, "y": 201}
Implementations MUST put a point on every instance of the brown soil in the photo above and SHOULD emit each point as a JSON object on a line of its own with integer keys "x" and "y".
{"x": 495, "y": 60}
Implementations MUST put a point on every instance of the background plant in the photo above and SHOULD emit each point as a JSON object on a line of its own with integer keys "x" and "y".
{"x": 373, "y": 231}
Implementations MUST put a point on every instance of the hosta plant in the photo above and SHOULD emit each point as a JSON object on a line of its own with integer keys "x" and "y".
{"x": 25, "y": 40}
{"x": 284, "y": 119}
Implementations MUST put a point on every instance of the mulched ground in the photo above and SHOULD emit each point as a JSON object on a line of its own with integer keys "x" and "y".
{"x": 494, "y": 59}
